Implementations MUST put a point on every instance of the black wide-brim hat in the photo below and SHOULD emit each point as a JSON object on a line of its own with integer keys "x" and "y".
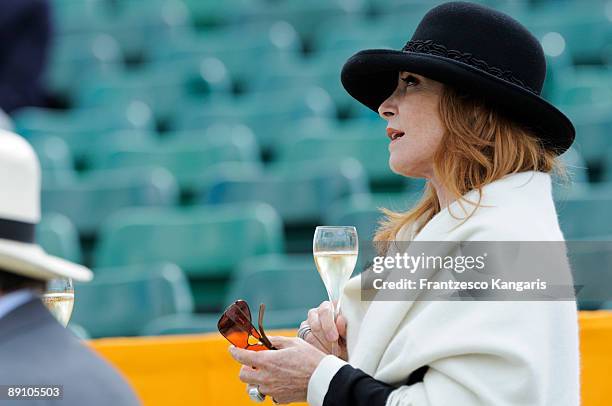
{"x": 473, "y": 48}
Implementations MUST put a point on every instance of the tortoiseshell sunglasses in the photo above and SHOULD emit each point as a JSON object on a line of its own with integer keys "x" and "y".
{"x": 236, "y": 326}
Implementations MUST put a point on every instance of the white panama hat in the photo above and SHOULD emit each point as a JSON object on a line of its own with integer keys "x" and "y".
{"x": 20, "y": 213}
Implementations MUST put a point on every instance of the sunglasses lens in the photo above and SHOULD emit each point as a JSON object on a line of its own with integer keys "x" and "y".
{"x": 243, "y": 308}
{"x": 235, "y": 325}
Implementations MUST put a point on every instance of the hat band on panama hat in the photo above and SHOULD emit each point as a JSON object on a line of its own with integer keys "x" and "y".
{"x": 15, "y": 230}
{"x": 429, "y": 47}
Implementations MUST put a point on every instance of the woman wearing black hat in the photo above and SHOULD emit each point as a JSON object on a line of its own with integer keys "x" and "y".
{"x": 463, "y": 107}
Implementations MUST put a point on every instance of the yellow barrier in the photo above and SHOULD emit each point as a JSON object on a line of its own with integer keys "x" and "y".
{"x": 197, "y": 369}
{"x": 179, "y": 370}
{"x": 596, "y": 357}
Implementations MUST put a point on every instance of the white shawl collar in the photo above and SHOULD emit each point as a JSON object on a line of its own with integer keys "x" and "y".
{"x": 383, "y": 319}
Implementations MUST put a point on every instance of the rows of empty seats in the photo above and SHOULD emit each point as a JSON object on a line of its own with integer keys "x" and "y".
{"x": 195, "y": 144}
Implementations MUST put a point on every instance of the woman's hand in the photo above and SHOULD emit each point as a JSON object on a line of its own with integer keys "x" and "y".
{"x": 282, "y": 374}
{"x": 324, "y": 331}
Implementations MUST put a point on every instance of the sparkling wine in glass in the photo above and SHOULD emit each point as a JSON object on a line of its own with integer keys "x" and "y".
{"x": 59, "y": 299}
{"x": 335, "y": 252}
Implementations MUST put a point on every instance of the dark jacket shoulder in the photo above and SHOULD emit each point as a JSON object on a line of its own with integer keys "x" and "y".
{"x": 36, "y": 349}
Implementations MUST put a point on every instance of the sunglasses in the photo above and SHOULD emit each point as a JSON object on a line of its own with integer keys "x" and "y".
{"x": 236, "y": 326}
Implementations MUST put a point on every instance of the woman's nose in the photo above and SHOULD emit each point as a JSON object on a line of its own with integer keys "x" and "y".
{"x": 387, "y": 109}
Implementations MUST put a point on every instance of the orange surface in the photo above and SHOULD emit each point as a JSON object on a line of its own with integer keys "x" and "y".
{"x": 179, "y": 370}
{"x": 596, "y": 357}
{"x": 197, "y": 369}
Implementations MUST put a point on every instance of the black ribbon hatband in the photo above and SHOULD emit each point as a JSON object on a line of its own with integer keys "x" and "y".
{"x": 17, "y": 230}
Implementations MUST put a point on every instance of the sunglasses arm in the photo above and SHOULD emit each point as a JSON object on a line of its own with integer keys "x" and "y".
{"x": 262, "y": 333}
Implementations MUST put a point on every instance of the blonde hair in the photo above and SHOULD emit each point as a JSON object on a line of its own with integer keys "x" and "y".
{"x": 479, "y": 145}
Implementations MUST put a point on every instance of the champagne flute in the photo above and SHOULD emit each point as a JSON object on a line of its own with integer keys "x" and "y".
{"x": 59, "y": 299}
{"x": 335, "y": 250}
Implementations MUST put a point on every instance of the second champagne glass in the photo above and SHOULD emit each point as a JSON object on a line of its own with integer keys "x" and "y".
{"x": 59, "y": 299}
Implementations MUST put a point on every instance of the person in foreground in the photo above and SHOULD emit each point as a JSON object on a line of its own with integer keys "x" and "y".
{"x": 35, "y": 349}
{"x": 463, "y": 108}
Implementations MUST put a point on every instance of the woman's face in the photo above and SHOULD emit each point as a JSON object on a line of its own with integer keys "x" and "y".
{"x": 412, "y": 110}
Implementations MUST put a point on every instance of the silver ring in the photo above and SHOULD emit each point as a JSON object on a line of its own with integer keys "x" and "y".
{"x": 303, "y": 331}
{"x": 255, "y": 394}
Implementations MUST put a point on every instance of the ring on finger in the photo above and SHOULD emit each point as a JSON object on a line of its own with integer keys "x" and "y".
{"x": 255, "y": 394}
{"x": 303, "y": 331}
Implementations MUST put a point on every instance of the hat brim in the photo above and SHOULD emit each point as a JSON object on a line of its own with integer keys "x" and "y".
{"x": 32, "y": 261}
{"x": 370, "y": 76}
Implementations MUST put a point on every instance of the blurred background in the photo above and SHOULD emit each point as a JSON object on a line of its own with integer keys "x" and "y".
{"x": 190, "y": 147}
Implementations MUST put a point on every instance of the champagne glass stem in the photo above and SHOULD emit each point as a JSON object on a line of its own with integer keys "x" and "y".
{"x": 335, "y": 347}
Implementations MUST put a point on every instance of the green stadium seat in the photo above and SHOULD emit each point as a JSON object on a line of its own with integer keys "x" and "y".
{"x": 83, "y": 123}
{"x": 300, "y": 193}
{"x": 187, "y": 159}
{"x": 78, "y": 16}
{"x": 307, "y": 16}
{"x": 607, "y": 165}
{"x": 217, "y": 133}
{"x": 320, "y": 70}
{"x": 281, "y": 282}
{"x": 583, "y": 86}
{"x": 226, "y": 170}
{"x": 362, "y": 211}
{"x": 79, "y": 56}
{"x": 267, "y": 119}
{"x": 140, "y": 26}
{"x": 310, "y": 126}
{"x": 586, "y": 213}
{"x": 53, "y": 153}
{"x": 182, "y": 324}
{"x": 163, "y": 86}
{"x": 347, "y": 35}
{"x": 590, "y": 261}
{"x": 206, "y": 241}
{"x": 575, "y": 166}
{"x": 94, "y": 150}
{"x": 217, "y": 13}
{"x": 207, "y": 323}
{"x": 363, "y": 140}
{"x": 120, "y": 302}
{"x": 593, "y": 127}
{"x": 87, "y": 201}
{"x": 585, "y": 29}
{"x": 558, "y": 62}
{"x": 57, "y": 236}
{"x": 255, "y": 46}
{"x": 409, "y": 9}
{"x": 577, "y": 173}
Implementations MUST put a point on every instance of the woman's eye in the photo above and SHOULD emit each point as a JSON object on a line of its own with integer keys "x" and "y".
{"x": 410, "y": 80}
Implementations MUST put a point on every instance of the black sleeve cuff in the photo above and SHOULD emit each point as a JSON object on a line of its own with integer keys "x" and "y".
{"x": 352, "y": 386}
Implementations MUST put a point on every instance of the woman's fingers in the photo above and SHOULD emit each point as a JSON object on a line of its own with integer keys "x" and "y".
{"x": 246, "y": 357}
{"x": 326, "y": 317}
{"x": 249, "y": 375}
{"x": 281, "y": 342}
{"x": 315, "y": 325}
{"x": 282, "y": 374}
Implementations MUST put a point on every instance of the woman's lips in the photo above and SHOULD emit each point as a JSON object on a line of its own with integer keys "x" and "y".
{"x": 394, "y": 134}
